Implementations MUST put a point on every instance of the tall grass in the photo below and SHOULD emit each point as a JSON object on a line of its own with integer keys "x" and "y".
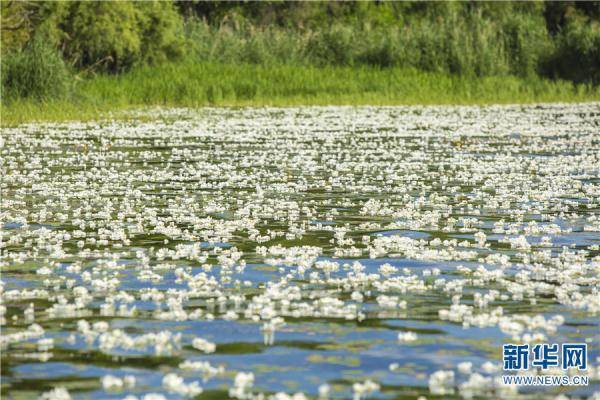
{"x": 37, "y": 71}
{"x": 218, "y": 84}
{"x": 469, "y": 44}
{"x": 194, "y": 84}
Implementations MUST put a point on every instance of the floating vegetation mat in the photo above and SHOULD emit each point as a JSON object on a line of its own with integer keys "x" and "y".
{"x": 319, "y": 252}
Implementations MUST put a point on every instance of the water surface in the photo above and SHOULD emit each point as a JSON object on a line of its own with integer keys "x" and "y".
{"x": 305, "y": 243}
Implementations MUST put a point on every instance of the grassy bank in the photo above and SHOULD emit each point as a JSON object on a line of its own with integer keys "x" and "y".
{"x": 192, "y": 84}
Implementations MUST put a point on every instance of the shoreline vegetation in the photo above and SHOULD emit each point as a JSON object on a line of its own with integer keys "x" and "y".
{"x": 81, "y": 60}
{"x": 225, "y": 85}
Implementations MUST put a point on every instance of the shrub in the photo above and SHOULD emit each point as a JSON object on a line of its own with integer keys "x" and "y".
{"x": 104, "y": 33}
{"x": 117, "y": 35}
{"x": 577, "y": 54}
{"x": 161, "y": 31}
{"x": 37, "y": 71}
{"x": 526, "y": 41}
{"x": 334, "y": 46}
{"x": 379, "y": 48}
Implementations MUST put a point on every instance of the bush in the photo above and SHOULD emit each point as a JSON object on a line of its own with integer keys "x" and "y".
{"x": 116, "y": 35}
{"x": 526, "y": 40}
{"x": 335, "y": 46}
{"x": 102, "y": 33}
{"x": 577, "y": 54}
{"x": 161, "y": 31}
{"x": 38, "y": 71}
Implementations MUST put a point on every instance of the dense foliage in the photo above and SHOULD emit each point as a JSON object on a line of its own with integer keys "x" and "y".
{"x": 36, "y": 71}
{"x": 552, "y": 39}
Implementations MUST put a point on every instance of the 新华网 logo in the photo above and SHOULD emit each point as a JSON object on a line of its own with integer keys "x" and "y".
{"x": 521, "y": 357}
{"x": 517, "y": 357}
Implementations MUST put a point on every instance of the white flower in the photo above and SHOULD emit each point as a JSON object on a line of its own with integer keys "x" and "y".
{"x": 324, "y": 391}
{"x": 407, "y": 336}
{"x": 465, "y": 367}
{"x": 59, "y": 393}
{"x": 441, "y": 382}
{"x": 175, "y": 384}
{"x": 363, "y": 389}
{"x": 204, "y": 345}
{"x": 110, "y": 382}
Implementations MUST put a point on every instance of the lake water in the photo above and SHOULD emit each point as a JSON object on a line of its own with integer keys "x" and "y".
{"x": 319, "y": 252}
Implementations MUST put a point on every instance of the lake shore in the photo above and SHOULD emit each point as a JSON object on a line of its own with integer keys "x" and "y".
{"x": 195, "y": 84}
